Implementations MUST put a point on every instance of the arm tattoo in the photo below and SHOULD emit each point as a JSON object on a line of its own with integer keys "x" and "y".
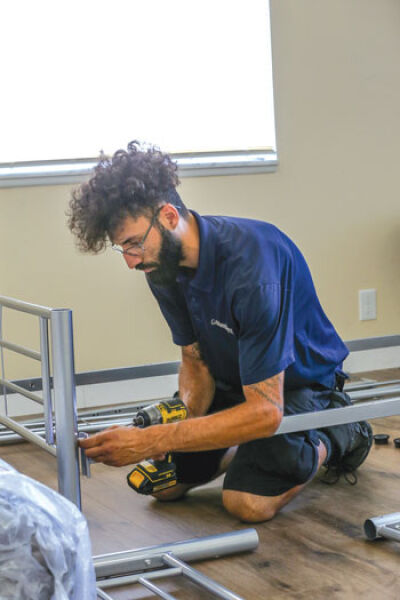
{"x": 270, "y": 390}
{"x": 193, "y": 352}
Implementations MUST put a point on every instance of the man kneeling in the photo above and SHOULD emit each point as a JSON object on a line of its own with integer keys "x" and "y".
{"x": 239, "y": 299}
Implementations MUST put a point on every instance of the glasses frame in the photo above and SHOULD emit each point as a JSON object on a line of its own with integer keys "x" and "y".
{"x": 138, "y": 245}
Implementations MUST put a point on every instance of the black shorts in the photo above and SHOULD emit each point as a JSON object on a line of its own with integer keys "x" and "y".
{"x": 268, "y": 466}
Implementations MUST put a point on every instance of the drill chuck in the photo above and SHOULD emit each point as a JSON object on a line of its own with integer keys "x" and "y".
{"x": 147, "y": 416}
{"x": 166, "y": 411}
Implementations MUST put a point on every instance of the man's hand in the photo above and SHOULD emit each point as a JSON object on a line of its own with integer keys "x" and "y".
{"x": 120, "y": 446}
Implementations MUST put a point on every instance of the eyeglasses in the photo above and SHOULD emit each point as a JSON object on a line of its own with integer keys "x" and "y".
{"x": 137, "y": 248}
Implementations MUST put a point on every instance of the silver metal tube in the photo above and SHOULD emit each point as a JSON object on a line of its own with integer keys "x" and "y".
{"x": 106, "y": 420}
{"x": 364, "y": 411}
{"x": 65, "y": 405}
{"x": 390, "y": 532}
{"x": 100, "y": 425}
{"x": 156, "y": 590}
{"x": 337, "y": 416}
{"x": 11, "y": 438}
{"x": 369, "y": 385}
{"x": 20, "y": 350}
{"x": 84, "y": 460}
{"x": 8, "y": 438}
{"x": 205, "y": 582}
{"x": 45, "y": 364}
{"x": 102, "y": 595}
{"x": 387, "y": 526}
{"x": 33, "y": 309}
{"x": 374, "y": 393}
{"x": 128, "y": 579}
{"x": 3, "y": 374}
{"x": 26, "y": 434}
{"x": 119, "y": 563}
{"x": 20, "y": 390}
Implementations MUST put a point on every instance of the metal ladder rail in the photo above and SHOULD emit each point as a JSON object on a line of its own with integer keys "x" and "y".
{"x": 147, "y": 564}
{"x": 65, "y": 449}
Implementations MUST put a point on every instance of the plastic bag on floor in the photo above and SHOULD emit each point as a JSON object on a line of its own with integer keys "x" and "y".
{"x": 45, "y": 551}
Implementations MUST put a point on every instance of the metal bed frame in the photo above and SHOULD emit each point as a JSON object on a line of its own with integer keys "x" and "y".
{"x": 60, "y": 439}
{"x": 149, "y": 563}
{"x": 60, "y": 427}
{"x": 168, "y": 560}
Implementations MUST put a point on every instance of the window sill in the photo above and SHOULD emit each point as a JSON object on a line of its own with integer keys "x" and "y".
{"x": 193, "y": 165}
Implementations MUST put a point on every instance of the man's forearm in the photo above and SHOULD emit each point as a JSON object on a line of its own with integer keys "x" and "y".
{"x": 220, "y": 430}
{"x": 196, "y": 385}
{"x": 259, "y": 416}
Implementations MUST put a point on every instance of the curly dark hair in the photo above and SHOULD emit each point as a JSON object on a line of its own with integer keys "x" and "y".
{"x": 131, "y": 183}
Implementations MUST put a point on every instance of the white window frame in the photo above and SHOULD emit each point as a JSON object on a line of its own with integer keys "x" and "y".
{"x": 189, "y": 165}
{"x": 194, "y": 164}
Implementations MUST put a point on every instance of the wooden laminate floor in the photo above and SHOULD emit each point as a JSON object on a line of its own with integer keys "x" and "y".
{"x": 315, "y": 549}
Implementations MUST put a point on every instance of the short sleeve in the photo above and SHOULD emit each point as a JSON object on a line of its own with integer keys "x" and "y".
{"x": 173, "y": 306}
{"x": 265, "y": 319}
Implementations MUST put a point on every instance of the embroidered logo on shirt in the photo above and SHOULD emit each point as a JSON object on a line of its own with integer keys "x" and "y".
{"x": 222, "y": 325}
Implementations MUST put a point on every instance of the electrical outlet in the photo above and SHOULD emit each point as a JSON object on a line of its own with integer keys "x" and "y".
{"x": 367, "y": 304}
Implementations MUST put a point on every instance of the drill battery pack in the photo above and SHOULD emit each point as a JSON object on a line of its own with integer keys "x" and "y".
{"x": 152, "y": 476}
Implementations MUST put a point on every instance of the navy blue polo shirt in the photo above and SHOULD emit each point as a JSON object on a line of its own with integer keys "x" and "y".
{"x": 252, "y": 307}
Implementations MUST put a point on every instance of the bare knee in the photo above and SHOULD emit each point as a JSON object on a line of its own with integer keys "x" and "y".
{"x": 249, "y": 508}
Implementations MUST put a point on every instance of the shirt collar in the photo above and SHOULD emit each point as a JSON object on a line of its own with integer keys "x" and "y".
{"x": 204, "y": 275}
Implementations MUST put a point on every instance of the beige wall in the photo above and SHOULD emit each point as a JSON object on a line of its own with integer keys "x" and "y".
{"x": 336, "y": 193}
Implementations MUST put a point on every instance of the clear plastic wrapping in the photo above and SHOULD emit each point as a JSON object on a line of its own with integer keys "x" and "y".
{"x": 45, "y": 551}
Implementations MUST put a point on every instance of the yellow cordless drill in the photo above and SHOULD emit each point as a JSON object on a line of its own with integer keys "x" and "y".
{"x": 151, "y": 476}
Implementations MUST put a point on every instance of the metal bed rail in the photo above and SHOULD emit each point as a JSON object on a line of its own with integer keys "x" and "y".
{"x": 338, "y": 416}
{"x": 60, "y": 424}
{"x": 60, "y": 439}
{"x": 92, "y": 421}
{"x": 167, "y": 560}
